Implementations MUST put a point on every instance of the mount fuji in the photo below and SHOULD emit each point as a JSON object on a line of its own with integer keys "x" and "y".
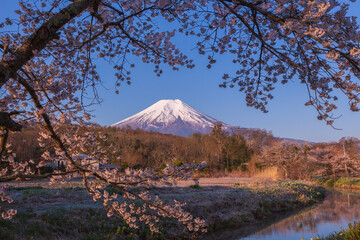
{"x": 170, "y": 116}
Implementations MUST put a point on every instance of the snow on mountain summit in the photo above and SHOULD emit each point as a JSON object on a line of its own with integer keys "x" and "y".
{"x": 170, "y": 116}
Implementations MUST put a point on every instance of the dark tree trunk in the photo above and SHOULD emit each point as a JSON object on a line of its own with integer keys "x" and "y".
{"x": 4, "y": 133}
{"x": 6, "y": 125}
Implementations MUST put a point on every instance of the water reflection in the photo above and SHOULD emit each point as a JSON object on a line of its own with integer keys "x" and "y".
{"x": 338, "y": 209}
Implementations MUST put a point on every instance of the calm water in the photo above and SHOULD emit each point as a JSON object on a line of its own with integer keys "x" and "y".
{"x": 338, "y": 209}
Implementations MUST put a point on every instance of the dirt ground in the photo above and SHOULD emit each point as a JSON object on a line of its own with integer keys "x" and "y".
{"x": 221, "y": 181}
{"x": 226, "y": 181}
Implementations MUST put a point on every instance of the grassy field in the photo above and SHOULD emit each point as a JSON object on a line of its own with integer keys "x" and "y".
{"x": 68, "y": 212}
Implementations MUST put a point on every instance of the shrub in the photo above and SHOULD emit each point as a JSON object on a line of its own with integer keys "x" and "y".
{"x": 195, "y": 186}
{"x": 206, "y": 171}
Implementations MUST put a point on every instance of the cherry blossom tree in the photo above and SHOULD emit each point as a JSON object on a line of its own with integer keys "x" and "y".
{"x": 48, "y": 73}
{"x": 350, "y": 155}
{"x": 285, "y": 156}
{"x": 334, "y": 159}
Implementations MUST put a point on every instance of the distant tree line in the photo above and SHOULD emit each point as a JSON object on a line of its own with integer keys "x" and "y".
{"x": 244, "y": 151}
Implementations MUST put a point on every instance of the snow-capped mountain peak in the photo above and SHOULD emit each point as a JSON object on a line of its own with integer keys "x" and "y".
{"x": 170, "y": 116}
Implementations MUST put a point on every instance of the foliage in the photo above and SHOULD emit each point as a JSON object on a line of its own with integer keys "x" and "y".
{"x": 302, "y": 161}
{"x": 351, "y": 182}
{"x": 343, "y": 182}
{"x": 195, "y": 186}
{"x": 251, "y": 152}
{"x": 141, "y": 149}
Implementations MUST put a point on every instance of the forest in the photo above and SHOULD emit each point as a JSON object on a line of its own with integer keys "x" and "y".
{"x": 240, "y": 151}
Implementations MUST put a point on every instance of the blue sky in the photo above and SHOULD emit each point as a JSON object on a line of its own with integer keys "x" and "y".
{"x": 287, "y": 117}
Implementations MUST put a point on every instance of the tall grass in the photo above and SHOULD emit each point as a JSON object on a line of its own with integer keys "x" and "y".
{"x": 271, "y": 172}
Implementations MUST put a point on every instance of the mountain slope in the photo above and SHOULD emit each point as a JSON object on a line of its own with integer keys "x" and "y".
{"x": 170, "y": 116}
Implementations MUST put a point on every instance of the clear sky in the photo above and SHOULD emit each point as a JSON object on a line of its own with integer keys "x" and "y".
{"x": 287, "y": 117}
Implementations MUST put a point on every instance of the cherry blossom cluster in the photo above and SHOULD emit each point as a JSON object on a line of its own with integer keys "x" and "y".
{"x": 4, "y": 197}
{"x": 136, "y": 208}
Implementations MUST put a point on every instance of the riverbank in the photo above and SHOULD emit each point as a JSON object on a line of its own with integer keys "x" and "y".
{"x": 341, "y": 182}
{"x": 352, "y": 233}
{"x": 339, "y": 208}
{"x": 252, "y": 203}
{"x": 69, "y": 213}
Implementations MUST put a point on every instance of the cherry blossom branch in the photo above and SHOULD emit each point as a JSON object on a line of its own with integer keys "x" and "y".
{"x": 48, "y": 124}
{"x": 109, "y": 24}
{"x": 40, "y": 39}
{"x": 269, "y": 47}
{"x": 164, "y": 210}
{"x": 254, "y": 7}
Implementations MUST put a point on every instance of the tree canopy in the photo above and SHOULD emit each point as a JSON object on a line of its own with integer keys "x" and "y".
{"x": 48, "y": 72}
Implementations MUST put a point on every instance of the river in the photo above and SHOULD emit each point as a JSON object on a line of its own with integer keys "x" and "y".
{"x": 339, "y": 208}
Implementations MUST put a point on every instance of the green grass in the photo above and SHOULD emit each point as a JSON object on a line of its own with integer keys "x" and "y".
{"x": 339, "y": 182}
{"x": 352, "y": 182}
{"x": 353, "y": 233}
{"x": 195, "y": 186}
